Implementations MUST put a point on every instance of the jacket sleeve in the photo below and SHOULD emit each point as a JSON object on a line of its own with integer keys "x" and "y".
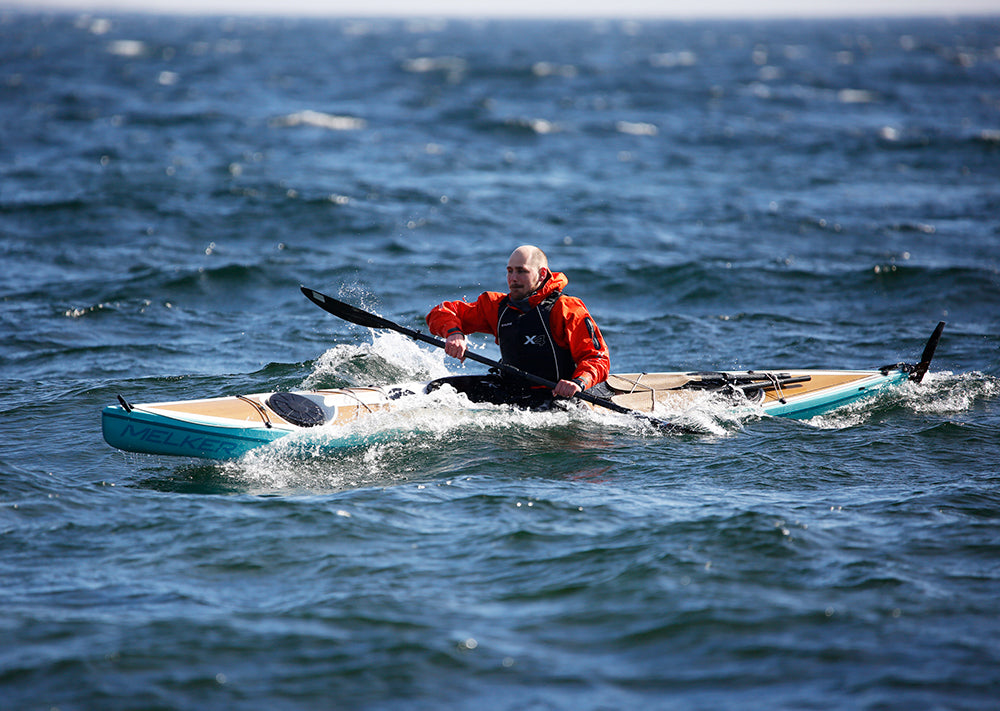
{"x": 479, "y": 316}
{"x": 584, "y": 340}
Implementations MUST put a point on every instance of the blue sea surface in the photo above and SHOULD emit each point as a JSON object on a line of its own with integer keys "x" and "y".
{"x": 723, "y": 195}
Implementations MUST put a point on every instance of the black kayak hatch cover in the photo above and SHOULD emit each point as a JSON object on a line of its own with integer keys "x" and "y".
{"x": 297, "y": 409}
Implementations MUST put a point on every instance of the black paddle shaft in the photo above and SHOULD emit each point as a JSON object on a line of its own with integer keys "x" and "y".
{"x": 369, "y": 320}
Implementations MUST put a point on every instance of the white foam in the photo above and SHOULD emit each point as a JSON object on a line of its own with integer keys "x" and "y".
{"x": 319, "y": 119}
{"x": 947, "y": 393}
{"x": 391, "y": 447}
{"x": 127, "y": 48}
{"x": 389, "y": 359}
{"x": 941, "y": 393}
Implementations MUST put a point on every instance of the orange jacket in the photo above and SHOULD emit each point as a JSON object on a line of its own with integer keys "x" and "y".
{"x": 569, "y": 323}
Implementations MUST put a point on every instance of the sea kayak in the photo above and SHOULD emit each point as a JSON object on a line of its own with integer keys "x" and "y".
{"x": 229, "y": 427}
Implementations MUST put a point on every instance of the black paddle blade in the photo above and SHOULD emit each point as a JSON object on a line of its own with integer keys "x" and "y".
{"x": 925, "y": 360}
{"x": 346, "y": 311}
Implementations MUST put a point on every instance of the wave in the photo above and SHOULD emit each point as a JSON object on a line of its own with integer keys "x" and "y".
{"x": 389, "y": 359}
{"x": 319, "y": 119}
{"x": 413, "y": 442}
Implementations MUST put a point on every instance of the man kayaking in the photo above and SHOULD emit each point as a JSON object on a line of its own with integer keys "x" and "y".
{"x": 538, "y": 329}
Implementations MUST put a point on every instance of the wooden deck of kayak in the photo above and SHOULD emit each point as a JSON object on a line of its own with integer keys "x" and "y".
{"x": 350, "y": 405}
{"x": 642, "y": 391}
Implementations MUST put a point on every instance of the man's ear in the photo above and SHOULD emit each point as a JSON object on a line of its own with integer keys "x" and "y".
{"x": 544, "y": 273}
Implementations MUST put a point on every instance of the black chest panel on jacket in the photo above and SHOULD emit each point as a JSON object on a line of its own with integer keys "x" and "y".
{"x": 525, "y": 339}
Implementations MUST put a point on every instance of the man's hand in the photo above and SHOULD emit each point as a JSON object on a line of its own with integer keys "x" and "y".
{"x": 566, "y": 388}
{"x": 455, "y": 345}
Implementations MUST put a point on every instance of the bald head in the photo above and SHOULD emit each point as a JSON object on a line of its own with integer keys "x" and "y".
{"x": 527, "y": 268}
{"x": 530, "y": 255}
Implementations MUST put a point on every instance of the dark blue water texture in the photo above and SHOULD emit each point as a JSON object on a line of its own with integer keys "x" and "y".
{"x": 724, "y": 195}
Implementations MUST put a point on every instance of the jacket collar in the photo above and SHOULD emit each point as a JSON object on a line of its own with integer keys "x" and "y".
{"x": 556, "y": 281}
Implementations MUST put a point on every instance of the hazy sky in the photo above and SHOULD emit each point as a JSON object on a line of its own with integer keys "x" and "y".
{"x": 537, "y": 8}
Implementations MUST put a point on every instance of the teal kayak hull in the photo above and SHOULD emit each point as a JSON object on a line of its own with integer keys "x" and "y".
{"x": 150, "y": 433}
{"x": 813, "y": 405}
{"x": 229, "y": 427}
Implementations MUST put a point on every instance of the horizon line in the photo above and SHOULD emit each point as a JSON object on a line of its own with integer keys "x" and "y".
{"x": 721, "y": 10}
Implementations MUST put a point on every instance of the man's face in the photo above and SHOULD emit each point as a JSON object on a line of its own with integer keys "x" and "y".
{"x": 523, "y": 277}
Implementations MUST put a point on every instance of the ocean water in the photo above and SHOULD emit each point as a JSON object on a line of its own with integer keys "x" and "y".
{"x": 723, "y": 195}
